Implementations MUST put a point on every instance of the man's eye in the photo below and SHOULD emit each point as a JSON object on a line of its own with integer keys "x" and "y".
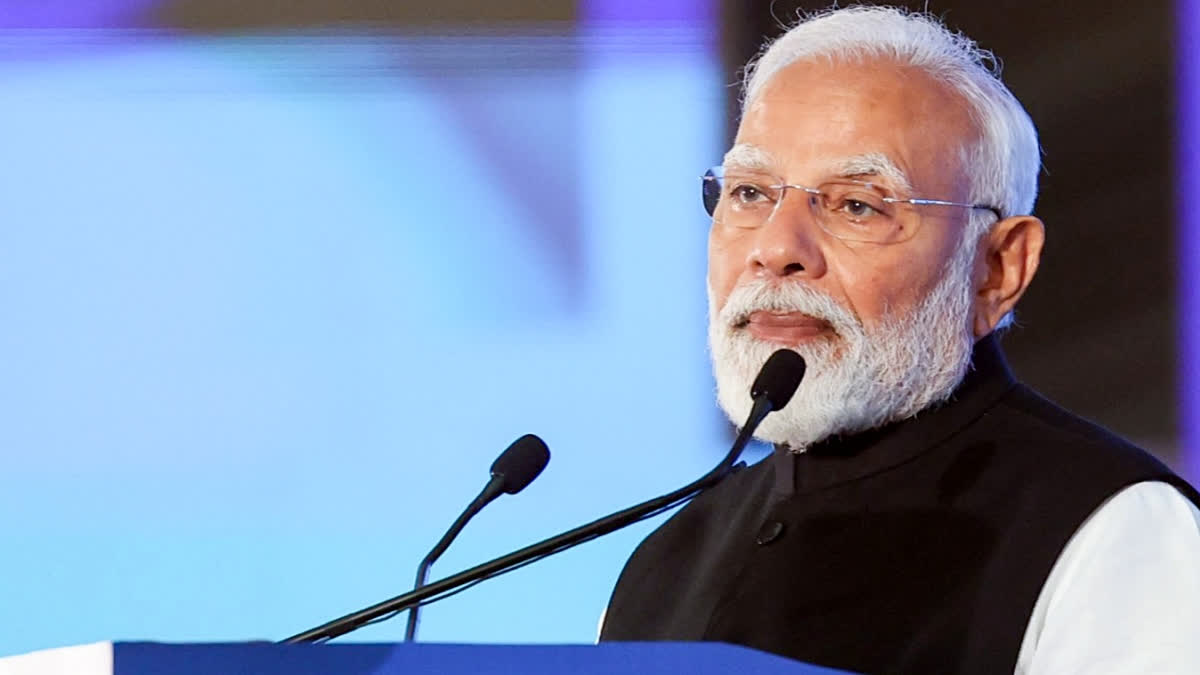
{"x": 858, "y": 209}
{"x": 747, "y": 193}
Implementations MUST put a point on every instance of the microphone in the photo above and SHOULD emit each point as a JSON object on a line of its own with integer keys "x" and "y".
{"x": 772, "y": 389}
{"x": 776, "y": 383}
{"x": 512, "y": 471}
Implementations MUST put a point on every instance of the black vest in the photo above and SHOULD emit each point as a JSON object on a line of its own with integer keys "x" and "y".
{"x": 917, "y": 548}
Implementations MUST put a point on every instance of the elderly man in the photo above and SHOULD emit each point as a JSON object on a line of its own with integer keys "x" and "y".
{"x": 923, "y": 512}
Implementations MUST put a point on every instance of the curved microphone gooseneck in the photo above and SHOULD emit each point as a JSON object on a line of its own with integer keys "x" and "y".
{"x": 512, "y": 471}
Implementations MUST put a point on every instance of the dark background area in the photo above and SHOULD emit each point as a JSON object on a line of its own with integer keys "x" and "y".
{"x": 1096, "y": 331}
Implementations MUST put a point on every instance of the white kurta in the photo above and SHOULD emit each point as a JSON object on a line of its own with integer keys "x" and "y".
{"x": 1124, "y": 594}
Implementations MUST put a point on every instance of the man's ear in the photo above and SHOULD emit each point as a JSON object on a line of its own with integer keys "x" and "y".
{"x": 1008, "y": 259}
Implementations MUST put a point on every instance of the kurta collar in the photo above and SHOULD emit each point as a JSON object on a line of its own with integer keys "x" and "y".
{"x": 842, "y": 459}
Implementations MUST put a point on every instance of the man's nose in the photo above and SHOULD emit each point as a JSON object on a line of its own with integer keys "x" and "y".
{"x": 788, "y": 244}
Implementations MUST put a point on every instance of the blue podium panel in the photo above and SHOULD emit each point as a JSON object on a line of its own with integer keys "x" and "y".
{"x": 644, "y": 658}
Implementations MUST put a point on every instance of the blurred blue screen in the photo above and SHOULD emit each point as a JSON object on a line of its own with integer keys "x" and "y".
{"x": 272, "y": 303}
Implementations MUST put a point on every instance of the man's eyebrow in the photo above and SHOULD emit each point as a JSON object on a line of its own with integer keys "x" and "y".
{"x": 874, "y": 164}
{"x": 747, "y": 156}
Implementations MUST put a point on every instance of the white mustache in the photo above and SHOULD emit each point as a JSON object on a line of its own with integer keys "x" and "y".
{"x": 761, "y": 296}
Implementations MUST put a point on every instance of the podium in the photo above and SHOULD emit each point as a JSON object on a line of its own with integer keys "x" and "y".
{"x": 644, "y": 658}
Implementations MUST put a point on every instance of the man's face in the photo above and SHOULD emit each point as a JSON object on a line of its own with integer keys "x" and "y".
{"x": 876, "y": 122}
{"x": 811, "y": 120}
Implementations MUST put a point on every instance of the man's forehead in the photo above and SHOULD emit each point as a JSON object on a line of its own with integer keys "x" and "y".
{"x": 750, "y": 157}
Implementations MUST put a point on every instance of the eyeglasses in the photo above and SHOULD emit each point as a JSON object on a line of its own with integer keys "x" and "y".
{"x": 850, "y": 210}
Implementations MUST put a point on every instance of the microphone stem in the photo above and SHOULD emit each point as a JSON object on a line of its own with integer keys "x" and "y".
{"x": 561, "y": 542}
{"x": 490, "y": 492}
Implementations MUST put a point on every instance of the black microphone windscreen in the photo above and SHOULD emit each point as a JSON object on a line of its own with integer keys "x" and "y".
{"x": 779, "y": 378}
{"x": 521, "y": 462}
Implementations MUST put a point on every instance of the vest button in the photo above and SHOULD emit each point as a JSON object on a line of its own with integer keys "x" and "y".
{"x": 769, "y": 532}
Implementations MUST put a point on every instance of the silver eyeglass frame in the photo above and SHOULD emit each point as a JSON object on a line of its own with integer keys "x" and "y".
{"x": 711, "y": 176}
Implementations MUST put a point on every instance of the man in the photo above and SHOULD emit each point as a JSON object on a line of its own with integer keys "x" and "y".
{"x": 923, "y": 512}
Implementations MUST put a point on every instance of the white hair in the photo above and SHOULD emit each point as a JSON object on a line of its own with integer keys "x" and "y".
{"x": 1004, "y": 162}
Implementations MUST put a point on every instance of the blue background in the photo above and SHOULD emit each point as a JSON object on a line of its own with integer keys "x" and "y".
{"x": 272, "y": 303}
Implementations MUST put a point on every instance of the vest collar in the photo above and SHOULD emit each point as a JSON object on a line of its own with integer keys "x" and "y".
{"x": 845, "y": 458}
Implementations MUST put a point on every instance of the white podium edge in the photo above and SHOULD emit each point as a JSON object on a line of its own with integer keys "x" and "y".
{"x": 89, "y": 659}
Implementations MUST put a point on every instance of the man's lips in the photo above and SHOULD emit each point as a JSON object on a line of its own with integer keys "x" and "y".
{"x": 787, "y": 328}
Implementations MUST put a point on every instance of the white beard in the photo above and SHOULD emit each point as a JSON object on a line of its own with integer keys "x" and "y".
{"x": 857, "y": 380}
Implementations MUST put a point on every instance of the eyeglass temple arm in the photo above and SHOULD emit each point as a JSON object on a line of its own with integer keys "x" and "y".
{"x": 939, "y": 202}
